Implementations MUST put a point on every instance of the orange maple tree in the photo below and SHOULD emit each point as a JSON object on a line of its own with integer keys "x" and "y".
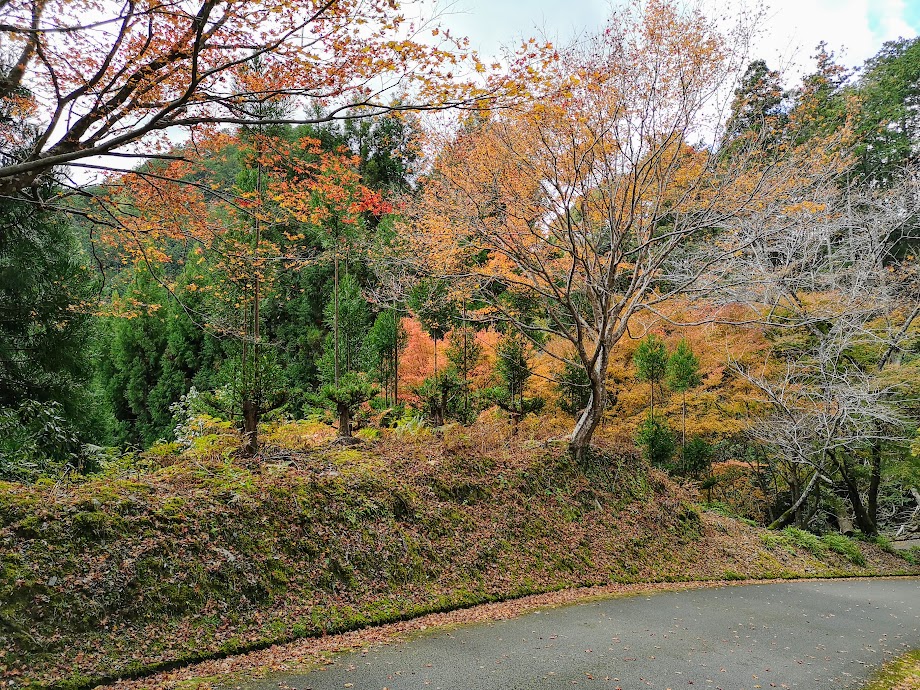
{"x": 99, "y": 78}
{"x": 579, "y": 205}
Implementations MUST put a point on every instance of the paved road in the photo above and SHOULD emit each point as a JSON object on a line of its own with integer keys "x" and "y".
{"x": 808, "y": 635}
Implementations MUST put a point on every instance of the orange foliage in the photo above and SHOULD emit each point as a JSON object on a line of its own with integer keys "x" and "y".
{"x": 416, "y": 362}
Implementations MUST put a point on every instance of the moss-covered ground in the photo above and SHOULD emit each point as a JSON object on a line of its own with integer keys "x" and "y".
{"x": 902, "y": 673}
{"x": 208, "y": 555}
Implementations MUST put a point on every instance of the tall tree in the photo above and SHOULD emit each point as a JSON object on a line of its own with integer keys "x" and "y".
{"x": 840, "y": 305}
{"x": 651, "y": 362}
{"x": 386, "y": 340}
{"x": 888, "y": 90}
{"x": 757, "y": 106}
{"x": 48, "y": 339}
{"x": 580, "y": 202}
{"x": 148, "y": 68}
{"x": 683, "y": 373}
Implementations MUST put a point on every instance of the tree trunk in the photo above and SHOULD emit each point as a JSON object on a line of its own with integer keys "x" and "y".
{"x": 591, "y": 416}
{"x": 683, "y": 421}
{"x": 860, "y": 515}
{"x": 792, "y": 511}
{"x": 335, "y": 312}
{"x": 344, "y": 420}
{"x": 250, "y": 428}
{"x": 875, "y": 482}
{"x": 396, "y": 366}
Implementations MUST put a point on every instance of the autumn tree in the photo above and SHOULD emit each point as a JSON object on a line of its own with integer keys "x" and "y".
{"x": 576, "y": 204}
{"x": 237, "y": 236}
{"x": 106, "y": 79}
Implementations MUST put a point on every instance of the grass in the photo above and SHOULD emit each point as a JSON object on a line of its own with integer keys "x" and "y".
{"x": 806, "y": 541}
{"x": 902, "y": 673}
{"x": 792, "y": 539}
{"x": 839, "y": 543}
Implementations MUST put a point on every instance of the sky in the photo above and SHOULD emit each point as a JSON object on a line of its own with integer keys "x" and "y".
{"x": 853, "y": 29}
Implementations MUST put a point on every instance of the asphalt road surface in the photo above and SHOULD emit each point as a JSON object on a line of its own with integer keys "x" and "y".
{"x": 809, "y": 635}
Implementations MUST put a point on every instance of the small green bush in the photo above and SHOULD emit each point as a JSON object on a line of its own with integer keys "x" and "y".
{"x": 696, "y": 457}
{"x": 839, "y": 543}
{"x": 805, "y": 540}
{"x": 719, "y": 508}
{"x": 883, "y": 542}
{"x": 772, "y": 540}
{"x": 656, "y": 441}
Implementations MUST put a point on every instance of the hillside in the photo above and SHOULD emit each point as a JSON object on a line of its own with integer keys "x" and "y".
{"x": 178, "y": 558}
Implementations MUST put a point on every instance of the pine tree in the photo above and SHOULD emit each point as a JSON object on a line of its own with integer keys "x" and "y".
{"x": 513, "y": 368}
{"x": 386, "y": 339}
{"x": 49, "y": 404}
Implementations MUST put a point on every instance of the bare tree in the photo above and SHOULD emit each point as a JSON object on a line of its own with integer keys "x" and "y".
{"x": 835, "y": 284}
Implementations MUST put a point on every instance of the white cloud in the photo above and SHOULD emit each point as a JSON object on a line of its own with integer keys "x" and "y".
{"x": 854, "y": 29}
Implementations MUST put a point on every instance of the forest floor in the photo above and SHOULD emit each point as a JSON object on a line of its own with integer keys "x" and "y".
{"x": 170, "y": 560}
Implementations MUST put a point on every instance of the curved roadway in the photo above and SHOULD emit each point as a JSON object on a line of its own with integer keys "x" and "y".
{"x": 808, "y": 634}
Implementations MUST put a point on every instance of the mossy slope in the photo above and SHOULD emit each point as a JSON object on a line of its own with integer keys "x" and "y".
{"x": 113, "y": 577}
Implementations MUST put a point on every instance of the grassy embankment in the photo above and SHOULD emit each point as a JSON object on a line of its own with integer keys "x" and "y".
{"x": 902, "y": 673}
{"x": 203, "y": 555}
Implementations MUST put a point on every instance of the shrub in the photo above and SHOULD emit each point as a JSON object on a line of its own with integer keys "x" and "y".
{"x": 839, "y": 543}
{"x": 697, "y": 456}
{"x": 656, "y": 441}
{"x": 574, "y": 388}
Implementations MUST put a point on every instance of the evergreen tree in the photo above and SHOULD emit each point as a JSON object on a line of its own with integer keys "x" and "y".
{"x": 683, "y": 373}
{"x": 133, "y": 365}
{"x": 386, "y": 339}
{"x": 820, "y": 103}
{"x": 656, "y": 440}
{"x": 651, "y": 361}
{"x": 349, "y": 312}
{"x": 757, "y": 106}
{"x": 352, "y": 390}
{"x": 45, "y": 322}
{"x": 386, "y": 148}
{"x": 513, "y": 368}
{"x": 574, "y": 388}
{"x": 464, "y": 355}
{"x": 431, "y": 303}
{"x": 49, "y": 403}
{"x": 889, "y": 120}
